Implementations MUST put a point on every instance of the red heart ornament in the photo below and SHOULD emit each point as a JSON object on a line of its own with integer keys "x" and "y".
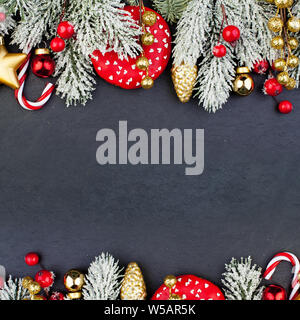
{"x": 125, "y": 73}
{"x": 190, "y": 287}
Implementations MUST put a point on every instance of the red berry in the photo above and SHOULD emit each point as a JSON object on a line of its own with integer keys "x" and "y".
{"x": 261, "y": 67}
{"x": 57, "y": 296}
{"x": 31, "y": 259}
{"x": 231, "y": 33}
{"x": 285, "y": 107}
{"x": 219, "y": 51}
{"x": 272, "y": 87}
{"x": 44, "y": 278}
{"x": 57, "y": 44}
{"x": 65, "y": 30}
{"x": 2, "y": 16}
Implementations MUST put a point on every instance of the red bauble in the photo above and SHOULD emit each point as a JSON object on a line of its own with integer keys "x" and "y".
{"x": 57, "y": 296}
{"x": 285, "y": 107}
{"x": 261, "y": 67}
{"x": 272, "y": 87}
{"x": 57, "y": 44}
{"x": 190, "y": 287}
{"x": 219, "y": 51}
{"x": 65, "y": 30}
{"x": 231, "y": 33}
{"x": 124, "y": 73}
{"x": 32, "y": 259}
{"x": 42, "y": 64}
{"x": 45, "y": 278}
{"x": 274, "y": 292}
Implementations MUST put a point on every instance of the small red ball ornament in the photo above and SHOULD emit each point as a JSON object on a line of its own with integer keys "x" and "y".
{"x": 285, "y": 107}
{"x": 231, "y": 33}
{"x": 42, "y": 64}
{"x": 65, "y": 30}
{"x": 219, "y": 51}
{"x": 45, "y": 278}
{"x": 32, "y": 259}
{"x": 274, "y": 292}
{"x": 261, "y": 67}
{"x": 272, "y": 87}
{"x": 57, "y": 296}
{"x": 57, "y": 44}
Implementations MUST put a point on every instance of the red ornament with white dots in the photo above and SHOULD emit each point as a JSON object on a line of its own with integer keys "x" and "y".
{"x": 125, "y": 73}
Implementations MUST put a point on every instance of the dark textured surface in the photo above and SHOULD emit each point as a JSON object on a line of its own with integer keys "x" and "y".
{"x": 56, "y": 200}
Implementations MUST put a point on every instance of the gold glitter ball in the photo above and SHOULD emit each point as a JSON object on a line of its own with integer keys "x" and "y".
{"x": 175, "y": 297}
{"x": 142, "y": 63}
{"x": 292, "y": 61}
{"x": 291, "y": 84}
{"x": 293, "y": 43}
{"x": 184, "y": 78}
{"x": 280, "y": 64}
{"x": 277, "y": 43}
{"x": 26, "y": 281}
{"x": 149, "y": 18}
{"x": 34, "y": 287}
{"x": 147, "y": 39}
{"x": 293, "y": 24}
{"x": 170, "y": 281}
{"x": 283, "y": 3}
{"x": 147, "y": 83}
{"x": 275, "y": 24}
{"x": 283, "y": 78}
{"x": 133, "y": 286}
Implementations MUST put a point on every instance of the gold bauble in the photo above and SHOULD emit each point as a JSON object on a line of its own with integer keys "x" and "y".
{"x": 74, "y": 280}
{"x": 184, "y": 79}
{"x": 293, "y": 43}
{"x": 34, "y": 287}
{"x": 170, "y": 281}
{"x": 293, "y": 24}
{"x": 292, "y": 61}
{"x": 282, "y": 3}
{"x": 74, "y": 295}
{"x": 280, "y": 64}
{"x": 275, "y": 24}
{"x": 175, "y": 297}
{"x": 133, "y": 285}
{"x": 147, "y": 83}
{"x": 283, "y": 78}
{"x": 149, "y": 18}
{"x": 270, "y": 1}
{"x": 147, "y": 39}
{"x": 9, "y": 64}
{"x": 142, "y": 63}
{"x": 291, "y": 84}
{"x": 26, "y": 281}
{"x": 243, "y": 84}
{"x": 277, "y": 43}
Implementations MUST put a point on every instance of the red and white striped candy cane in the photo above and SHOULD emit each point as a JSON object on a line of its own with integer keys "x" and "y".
{"x": 41, "y": 101}
{"x": 290, "y": 257}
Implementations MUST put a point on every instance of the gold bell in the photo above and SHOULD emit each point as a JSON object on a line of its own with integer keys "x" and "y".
{"x": 243, "y": 84}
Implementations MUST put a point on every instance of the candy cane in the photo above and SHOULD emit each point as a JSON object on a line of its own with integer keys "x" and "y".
{"x": 285, "y": 256}
{"x": 41, "y": 101}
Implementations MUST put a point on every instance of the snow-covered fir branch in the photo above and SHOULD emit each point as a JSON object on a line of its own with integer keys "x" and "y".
{"x": 193, "y": 31}
{"x": 21, "y": 6}
{"x": 103, "y": 280}
{"x": 41, "y": 22}
{"x": 172, "y": 10}
{"x": 13, "y": 290}
{"x": 242, "y": 280}
{"x": 133, "y": 2}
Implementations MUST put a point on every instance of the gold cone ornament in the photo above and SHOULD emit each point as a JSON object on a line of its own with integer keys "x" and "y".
{"x": 9, "y": 64}
{"x": 243, "y": 84}
{"x": 133, "y": 286}
{"x": 184, "y": 78}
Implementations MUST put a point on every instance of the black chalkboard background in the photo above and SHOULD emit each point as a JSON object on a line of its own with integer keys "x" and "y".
{"x": 56, "y": 199}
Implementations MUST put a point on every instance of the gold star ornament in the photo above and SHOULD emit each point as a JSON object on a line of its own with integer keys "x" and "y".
{"x": 9, "y": 64}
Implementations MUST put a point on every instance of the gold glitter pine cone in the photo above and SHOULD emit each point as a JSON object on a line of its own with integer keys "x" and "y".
{"x": 184, "y": 79}
{"x": 133, "y": 286}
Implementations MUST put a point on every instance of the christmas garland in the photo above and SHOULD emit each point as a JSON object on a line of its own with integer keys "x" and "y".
{"x": 217, "y": 44}
{"x": 105, "y": 280}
